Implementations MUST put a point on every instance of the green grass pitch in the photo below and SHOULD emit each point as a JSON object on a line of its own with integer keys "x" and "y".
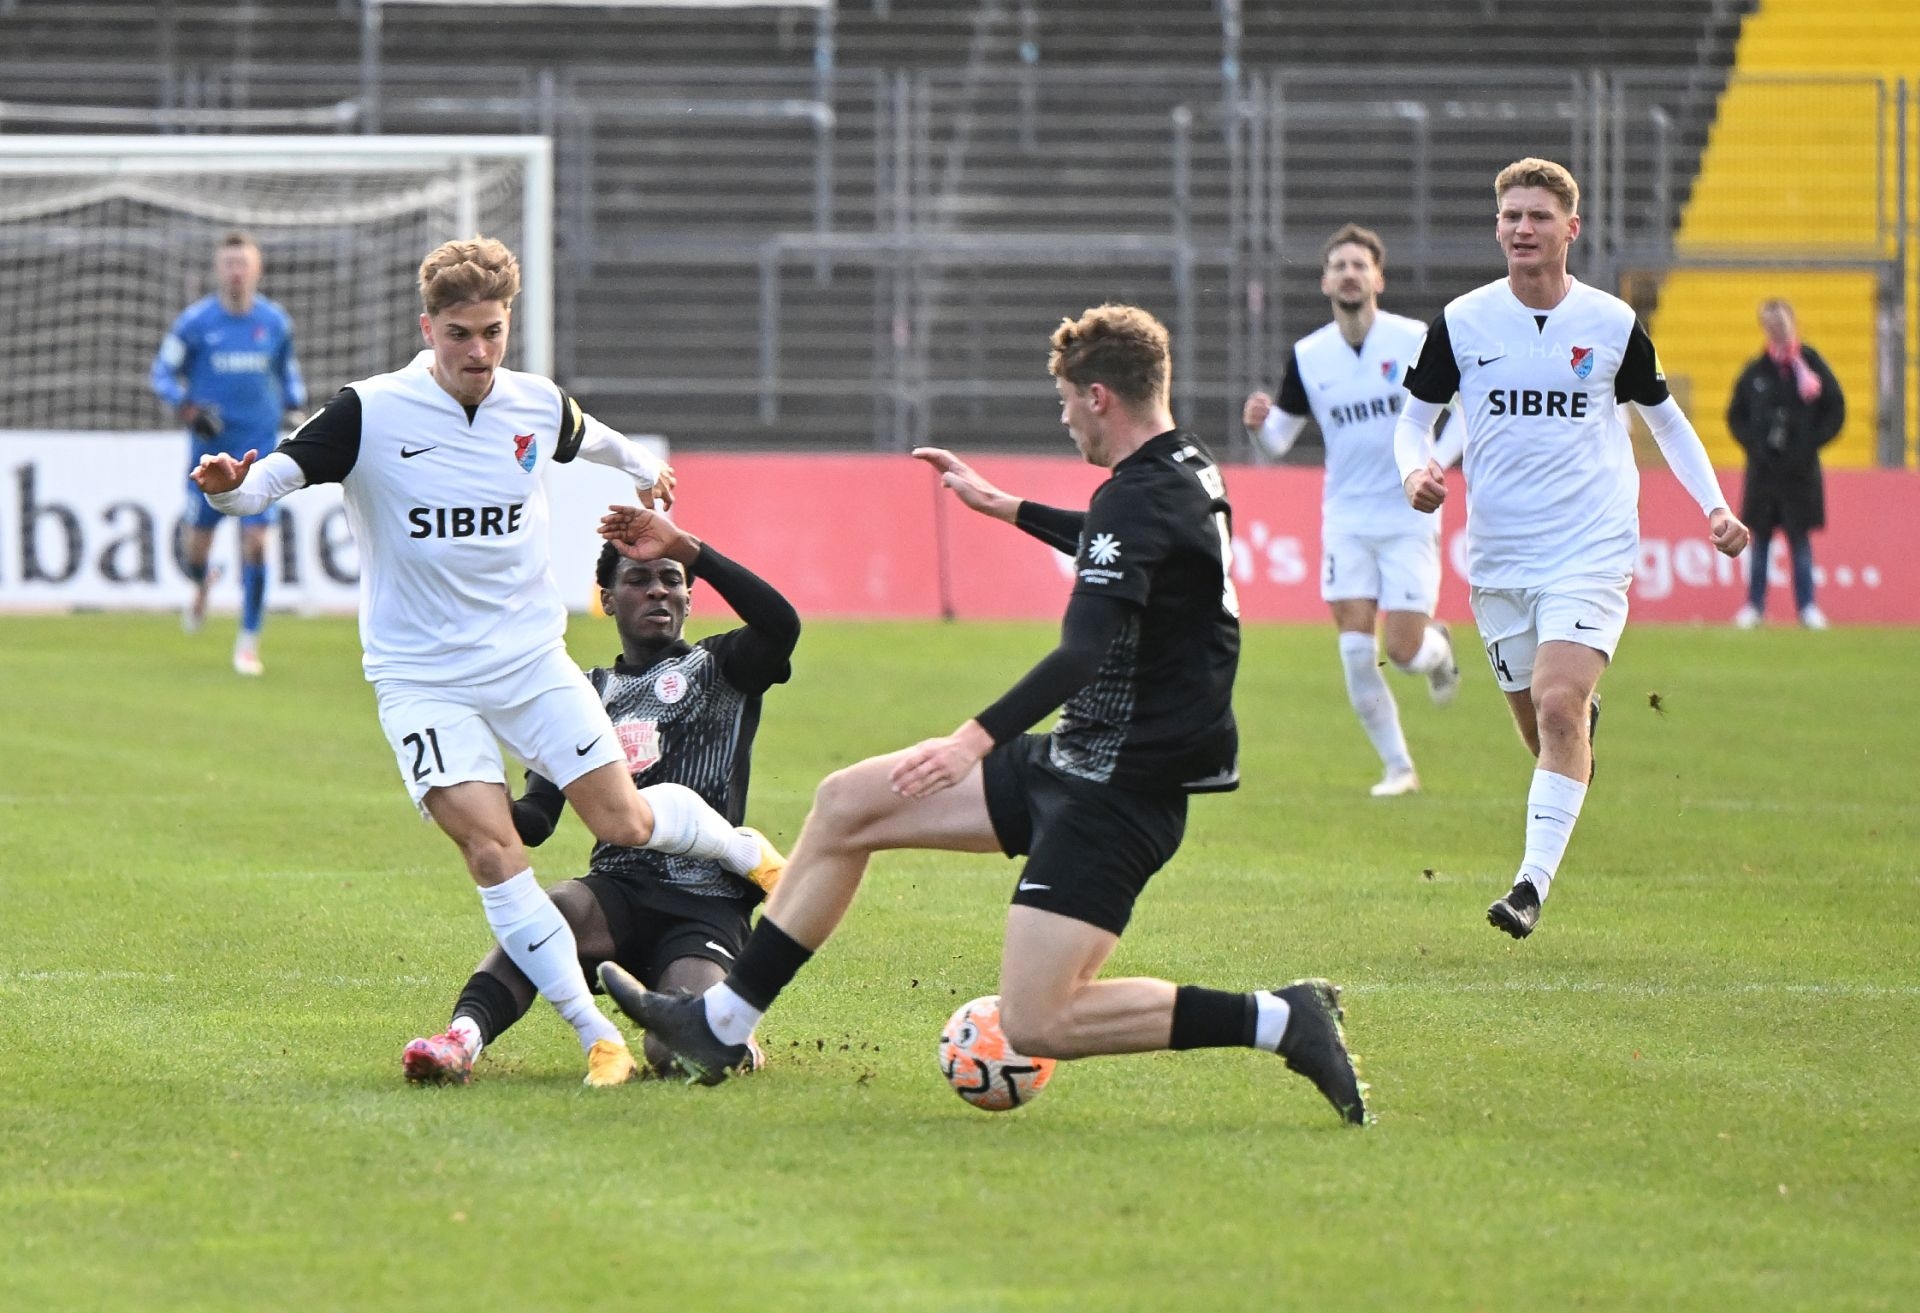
{"x": 1693, "y": 1088}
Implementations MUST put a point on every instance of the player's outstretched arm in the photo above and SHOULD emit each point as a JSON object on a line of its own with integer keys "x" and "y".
{"x": 640, "y": 534}
{"x": 1087, "y": 631}
{"x": 974, "y": 492}
{"x": 249, "y": 485}
{"x": 220, "y": 473}
{"x": 653, "y": 479}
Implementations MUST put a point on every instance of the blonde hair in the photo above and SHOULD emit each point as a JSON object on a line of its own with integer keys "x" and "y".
{"x": 1545, "y": 174}
{"x": 1353, "y": 234}
{"x": 1120, "y": 346}
{"x": 459, "y": 272}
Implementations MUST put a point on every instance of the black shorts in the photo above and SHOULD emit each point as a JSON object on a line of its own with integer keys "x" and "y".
{"x": 1090, "y": 848}
{"x": 652, "y": 930}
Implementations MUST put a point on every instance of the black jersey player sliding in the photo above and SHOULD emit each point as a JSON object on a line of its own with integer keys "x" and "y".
{"x": 1145, "y": 668}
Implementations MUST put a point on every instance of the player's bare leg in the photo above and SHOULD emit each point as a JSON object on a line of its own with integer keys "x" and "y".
{"x": 1052, "y": 1006}
{"x": 1555, "y": 717}
{"x": 855, "y": 814}
{"x": 1371, "y": 699}
{"x": 476, "y": 815}
{"x": 1418, "y": 646}
{"x": 253, "y": 595}
{"x": 669, "y": 818}
{"x": 196, "y": 551}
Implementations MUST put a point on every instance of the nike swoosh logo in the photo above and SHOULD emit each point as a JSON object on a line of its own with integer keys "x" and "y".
{"x": 720, "y": 950}
{"x": 1578, "y": 625}
{"x": 405, "y": 454}
{"x": 581, "y": 752}
{"x": 534, "y": 948}
{"x": 1026, "y": 886}
{"x": 1538, "y": 817}
{"x": 1488, "y": 360}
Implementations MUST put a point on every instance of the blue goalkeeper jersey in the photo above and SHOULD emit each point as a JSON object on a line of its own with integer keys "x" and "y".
{"x": 239, "y": 365}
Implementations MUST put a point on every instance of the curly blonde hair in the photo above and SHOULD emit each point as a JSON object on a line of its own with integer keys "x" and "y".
{"x": 1120, "y": 346}
{"x": 476, "y": 269}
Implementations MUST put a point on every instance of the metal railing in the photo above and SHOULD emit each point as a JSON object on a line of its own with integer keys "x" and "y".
{"x": 916, "y": 218}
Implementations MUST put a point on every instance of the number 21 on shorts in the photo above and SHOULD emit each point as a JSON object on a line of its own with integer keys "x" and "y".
{"x": 421, "y": 743}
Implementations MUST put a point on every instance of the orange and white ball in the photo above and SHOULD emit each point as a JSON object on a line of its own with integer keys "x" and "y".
{"x": 981, "y": 1066}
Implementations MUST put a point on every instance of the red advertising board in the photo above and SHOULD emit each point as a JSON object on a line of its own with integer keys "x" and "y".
{"x": 875, "y": 535}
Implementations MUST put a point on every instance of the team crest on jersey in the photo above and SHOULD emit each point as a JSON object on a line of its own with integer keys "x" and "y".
{"x": 259, "y": 332}
{"x": 1387, "y": 368}
{"x": 1582, "y": 361}
{"x": 670, "y": 686}
{"x": 525, "y": 450}
{"x": 641, "y": 741}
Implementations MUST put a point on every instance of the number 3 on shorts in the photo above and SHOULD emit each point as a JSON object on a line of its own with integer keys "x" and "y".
{"x": 420, "y": 746}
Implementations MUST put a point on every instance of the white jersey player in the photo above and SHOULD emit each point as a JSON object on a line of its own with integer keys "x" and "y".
{"x": 461, "y": 622}
{"x": 1544, "y": 366}
{"x": 1379, "y": 558}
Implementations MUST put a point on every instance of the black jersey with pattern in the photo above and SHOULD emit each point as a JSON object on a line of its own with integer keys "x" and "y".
{"x": 1159, "y": 714}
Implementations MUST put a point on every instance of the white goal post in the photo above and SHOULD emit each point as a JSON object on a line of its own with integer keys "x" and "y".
{"x": 105, "y": 239}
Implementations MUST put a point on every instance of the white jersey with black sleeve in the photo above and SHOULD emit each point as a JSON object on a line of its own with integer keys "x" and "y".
{"x": 450, "y": 516}
{"x": 1553, "y": 492}
{"x": 1355, "y": 395}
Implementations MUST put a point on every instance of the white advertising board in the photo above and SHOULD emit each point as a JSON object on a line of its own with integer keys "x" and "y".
{"x": 90, "y": 521}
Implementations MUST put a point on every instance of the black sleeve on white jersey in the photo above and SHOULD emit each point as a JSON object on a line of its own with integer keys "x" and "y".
{"x": 1087, "y": 630}
{"x": 328, "y": 444}
{"x": 573, "y": 427}
{"x": 1057, "y": 528}
{"x": 1435, "y": 376}
{"x": 756, "y": 657}
{"x": 1640, "y": 380}
{"x": 537, "y": 810}
{"x": 1293, "y": 392}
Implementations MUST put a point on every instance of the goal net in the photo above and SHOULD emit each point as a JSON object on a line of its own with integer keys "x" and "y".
{"x": 104, "y": 240}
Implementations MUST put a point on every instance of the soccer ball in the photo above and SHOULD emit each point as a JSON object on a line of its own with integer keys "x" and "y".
{"x": 981, "y": 1066}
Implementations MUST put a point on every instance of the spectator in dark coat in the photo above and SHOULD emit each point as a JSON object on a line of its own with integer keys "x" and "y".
{"x": 1786, "y": 406}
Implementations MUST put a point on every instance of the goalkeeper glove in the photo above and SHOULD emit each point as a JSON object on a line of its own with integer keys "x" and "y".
{"x": 202, "y": 421}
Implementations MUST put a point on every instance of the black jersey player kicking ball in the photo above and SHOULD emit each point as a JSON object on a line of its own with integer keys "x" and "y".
{"x": 1145, "y": 668}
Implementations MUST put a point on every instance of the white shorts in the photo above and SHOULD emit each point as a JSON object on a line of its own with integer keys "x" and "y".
{"x": 1515, "y": 621}
{"x": 545, "y": 712}
{"x": 1400, "y": 571}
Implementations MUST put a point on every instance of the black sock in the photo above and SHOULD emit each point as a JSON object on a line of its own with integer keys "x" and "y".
{"x": 491, "y": 1004}
{"x": 771, "y": 959}
{"x": 1212, "y": 1019}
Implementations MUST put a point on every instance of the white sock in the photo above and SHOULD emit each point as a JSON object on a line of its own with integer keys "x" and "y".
{"x": 731, "y": 1017}
{"x": 540, "y": 942}
{"x": 1271, "y": 1022}
{"x": 1373, "y": 701}
{"x": 1435, "y": 652}
{"x": 684, "y": 825}
{"x": 1553, "y": 805}
{"x": 467, "y": 1031}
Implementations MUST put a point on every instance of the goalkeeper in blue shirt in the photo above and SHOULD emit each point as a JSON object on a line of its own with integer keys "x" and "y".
{"x": 228, "y": 370}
